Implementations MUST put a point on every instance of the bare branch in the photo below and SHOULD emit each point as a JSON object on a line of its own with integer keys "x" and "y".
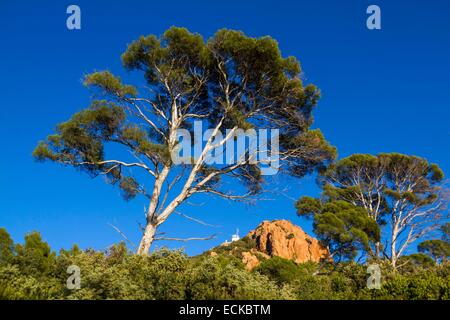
{"x": 117, "y": 162}
{"x": 123, "y": 235}
{"x": 195, "y": 220}
{"x": 186, "y": 239}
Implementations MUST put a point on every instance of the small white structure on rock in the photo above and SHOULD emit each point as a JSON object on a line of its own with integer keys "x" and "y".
{"x": 234, "y": 237}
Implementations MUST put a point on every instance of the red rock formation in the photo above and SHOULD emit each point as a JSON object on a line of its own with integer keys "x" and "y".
{"x": 283, "y": 239}
{"x": 250, "y": 260}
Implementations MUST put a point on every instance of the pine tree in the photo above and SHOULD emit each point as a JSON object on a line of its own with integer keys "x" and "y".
{"x": 229, "y": 82}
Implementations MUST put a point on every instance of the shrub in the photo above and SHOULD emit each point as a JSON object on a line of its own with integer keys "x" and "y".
{"x": 33, "y": 271}
{"x": 279, "y": 270}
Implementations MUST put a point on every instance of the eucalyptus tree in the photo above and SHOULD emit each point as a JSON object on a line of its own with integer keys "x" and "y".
{"x": 406, "y": 191}
{"x": 230, "y": 82}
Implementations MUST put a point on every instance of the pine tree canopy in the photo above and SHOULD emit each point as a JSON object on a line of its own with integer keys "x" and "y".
{"x": 230, "y": 80}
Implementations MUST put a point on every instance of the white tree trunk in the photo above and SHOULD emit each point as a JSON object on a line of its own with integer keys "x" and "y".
{"x": 394, "y": 254}
{"x": 147, "y": 239}
{"x": 150, "y": 228}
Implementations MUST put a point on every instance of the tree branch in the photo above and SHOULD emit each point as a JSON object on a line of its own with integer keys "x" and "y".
{"x": 185, "y": 239}
{"x": 123, "y": 235}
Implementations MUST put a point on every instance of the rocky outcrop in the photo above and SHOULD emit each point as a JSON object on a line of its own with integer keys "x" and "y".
{"x": 279, "y": 238}
{"x": 250, "y": 260}
{"x": 283, "y": 239}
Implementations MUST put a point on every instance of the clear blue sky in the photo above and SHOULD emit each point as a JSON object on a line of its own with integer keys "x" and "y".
{"x": 383, "y": 90}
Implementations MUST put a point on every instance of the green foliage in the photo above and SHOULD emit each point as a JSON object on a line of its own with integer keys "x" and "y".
{"x": 140, "y": 141}
{"x": 35, "y": 255}
{"x": 171, "y": 55}
{"x": 279, "y": 270}
{"x": 438, "y": 249}
{"x": 415, "y": 262}
{"x": 314, "y": 141}
{"x": 35, "y": 272}
{"x": 308, "y": 206}
{"x": 237, "y": 247}
{"x": 342, "y": 227}
{"x": 191, "y": 79}
{"x": 405, "y": 190}
{"x": 6, "y": 246}
{"x": 79, "y": 141}
{"x": 110, "y": 83}
{"x": 379, "y": 179}
{"x": 212, "y": 280}
{"x": 130, "y": 188}
{"x": 343, "y": 281}
{"x": 428, "y": 285}
{"x": 16, "y": 285}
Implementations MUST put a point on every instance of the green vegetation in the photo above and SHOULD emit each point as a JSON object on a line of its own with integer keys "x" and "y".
{"x": 33, "y": 271}
{"x": 404, "y": 195}
{"x": 374, "y": 207}
{"x": 341, "y": 226}
{"x": 438, "y": 249}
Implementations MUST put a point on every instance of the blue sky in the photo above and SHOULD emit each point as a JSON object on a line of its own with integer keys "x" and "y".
{"x": 382, "y": 91}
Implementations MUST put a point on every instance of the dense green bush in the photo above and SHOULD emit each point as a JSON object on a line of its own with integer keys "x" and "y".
{"x": 279, "y": 269}
{"x": 33, "y": 271}
{"x": 213, "y": 280}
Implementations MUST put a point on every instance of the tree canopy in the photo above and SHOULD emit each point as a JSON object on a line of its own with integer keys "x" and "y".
{"x": 231, "y": 81}
{"x": 405, "y": 191}
{"x": 438, "y": 249}
{"x": 341, "y": 226}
